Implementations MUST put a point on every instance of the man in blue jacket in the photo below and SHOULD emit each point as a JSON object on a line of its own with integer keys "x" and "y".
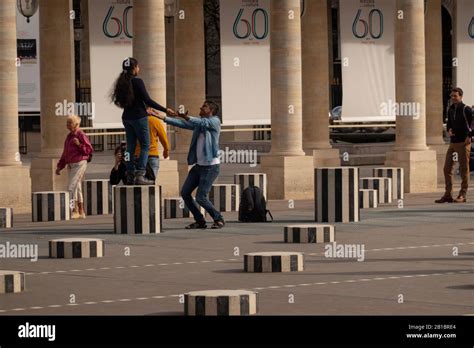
{"x": 204, "y": 156}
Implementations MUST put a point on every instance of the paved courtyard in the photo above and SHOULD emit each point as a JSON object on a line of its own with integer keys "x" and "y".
{"x": 410, "y": 257}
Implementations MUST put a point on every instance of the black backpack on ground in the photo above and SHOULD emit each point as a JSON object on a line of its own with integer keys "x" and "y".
{"x": 253, "y": 207}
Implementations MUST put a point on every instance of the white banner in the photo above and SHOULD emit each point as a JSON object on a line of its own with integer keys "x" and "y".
{"x": 28, "y": 63}
{"x": 245, "y": 62}
{"x": 110, "y": 30}
{"x": 368, "y": 59}
{"x": 465, "y": 47}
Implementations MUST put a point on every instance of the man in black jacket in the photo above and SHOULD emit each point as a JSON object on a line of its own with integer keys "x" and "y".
{"x": 459, "y": 129}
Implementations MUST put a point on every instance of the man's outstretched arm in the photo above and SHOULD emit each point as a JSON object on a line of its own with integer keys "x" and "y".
{"x": 177, "y": 122}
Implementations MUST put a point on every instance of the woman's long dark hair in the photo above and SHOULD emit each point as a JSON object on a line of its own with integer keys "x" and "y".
{"x": 122, "y": 94}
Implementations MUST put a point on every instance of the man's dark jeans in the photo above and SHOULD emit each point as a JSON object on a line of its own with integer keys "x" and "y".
{"x": 201, "y": 177}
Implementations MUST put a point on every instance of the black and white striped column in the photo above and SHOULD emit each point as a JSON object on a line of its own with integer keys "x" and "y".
{"x": 225, "y": 197}
{"x": 368, "y": 198}
{"x": 175, "y": 208}
{"x": 76, "y": 248}
{"x": 336, "y": 194}
{"x": 97, "y": 197}
{"x": 315, "y": 233}
{"x": 382, "y": 185}
{"x": 51, "y": 206}
{"x": 220, "y": 303}
{"x": 274, "y": 261}
{"x": 396, "y": 174}
{"x": 251, "y": 179}
{"x": 6, "y": 217}
{"x": 137, "y": 209}
{"x": 11, "y": 281}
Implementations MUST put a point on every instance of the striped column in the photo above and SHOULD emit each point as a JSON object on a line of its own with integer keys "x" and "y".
{"x": 137, "y": 209}
{"x": 220, "y": 303}
{"x": 396, "y": 174}
{"x": 309, "y": 234}
{"x": 382, "y": 185}
{"x": 251, "y": 179}
{"x": 97, "y": 197}
{"x": 76, "y": 248}
{"x": 11, "y": 282}
{"x": 6, "y": 217}
{"x": 51, "y": 206}
{"x": 368, "y": 198}
{"x": 336, "y": 192}
{"x": 225, "y": 197}
{"x": 175, "y": 208}
{"x": 275, "y": 261}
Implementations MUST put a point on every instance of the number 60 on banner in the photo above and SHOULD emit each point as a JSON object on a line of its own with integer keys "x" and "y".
{"x": 122, "y": 25}
{"x": 368, "y": 25}
{"x": 251, "y": 27}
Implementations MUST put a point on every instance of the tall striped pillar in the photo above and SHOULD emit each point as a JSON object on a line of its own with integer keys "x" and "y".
{"x": 97, "y": 197}
{"x": 396, "y": 174}
{"x": 336, "y": 194}
{"x": 251, "y": 179}
{"x": 137, "y": 209}
{"x": 51, "y": 206}
{"x": 225, "y": 197}
{"x": 382, "y": 185}
{"x": 6, "y": 217}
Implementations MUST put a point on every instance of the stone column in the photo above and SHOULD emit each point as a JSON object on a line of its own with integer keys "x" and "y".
{"x": 316, "y": 97}
{"x": 150, "y": 50}
{"x": 15, "y": 183}
{"x": 410, "y": 151}
{"x": 434, "y": 83}
{"x": 290, "y": 172}
{"x": 190, "y": 72}
{"x": 57, "y": 85}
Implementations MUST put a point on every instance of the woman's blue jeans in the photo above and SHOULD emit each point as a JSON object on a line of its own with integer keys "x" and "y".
{"x": 137, "y": 130}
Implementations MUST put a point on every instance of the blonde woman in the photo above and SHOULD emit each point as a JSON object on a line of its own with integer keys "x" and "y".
{"x": 77, "y": 150}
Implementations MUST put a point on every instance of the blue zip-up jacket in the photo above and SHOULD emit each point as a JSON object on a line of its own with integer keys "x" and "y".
{"x": 211, "y": 127}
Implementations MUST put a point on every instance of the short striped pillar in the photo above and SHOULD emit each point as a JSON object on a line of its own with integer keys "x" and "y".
{"x": 251, "y": 179}
{"x": 368, "y": 198}
{"x": 274, "y": 261}
{"x": 76, "y": 248}
{"x": 336, "y": 192}
{"x": 396, "y": 174}
{"x": 382, "y": 185}
{"x": 51, "y": 206}
{"x": 309, "y": 234}
{"x": 137, "y": 209}
{"x": 225, "y": 197}
{"x": 6, "y": 217}
{"x": 175, "y": 208}
{"x": 97, "y": 197}
{"x": 220, "y": 303}
{"x": 11, "y": 282}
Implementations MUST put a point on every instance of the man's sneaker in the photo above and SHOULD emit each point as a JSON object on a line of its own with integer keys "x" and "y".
{"x": 197, "y": 226}
{"x": 460, "y": 199}
{"x": 445, "y": 199}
